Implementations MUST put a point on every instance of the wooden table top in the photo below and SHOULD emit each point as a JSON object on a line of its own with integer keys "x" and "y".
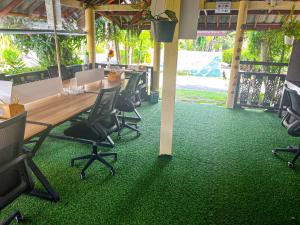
{"x": 57, "y": 109}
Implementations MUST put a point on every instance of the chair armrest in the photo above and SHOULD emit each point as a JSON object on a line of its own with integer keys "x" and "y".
{"x": 16, "y": 161}
{"x": 293, "y": 113}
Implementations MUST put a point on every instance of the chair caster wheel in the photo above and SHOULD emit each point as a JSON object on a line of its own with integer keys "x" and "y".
{"x": 72, "y": 163}
{"x": 82, "y": 176}
{"x": 274, "y": 152}
{"x": 19, "y": 218}
{"x": 291, "y": 165}
{"x": 112, "y": 172}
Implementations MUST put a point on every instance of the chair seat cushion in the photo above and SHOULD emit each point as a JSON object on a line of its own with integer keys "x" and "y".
{"x": 124, "y": 105}
{"x": 84, "y": 131}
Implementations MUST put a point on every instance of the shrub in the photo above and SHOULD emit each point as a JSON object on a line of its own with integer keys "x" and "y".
{"x": 227, "y": 55}
{"x": 12, "y": 58}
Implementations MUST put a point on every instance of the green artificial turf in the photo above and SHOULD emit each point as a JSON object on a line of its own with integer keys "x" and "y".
{"x": 222, "y": 172}
{"x": 201, "y": 96}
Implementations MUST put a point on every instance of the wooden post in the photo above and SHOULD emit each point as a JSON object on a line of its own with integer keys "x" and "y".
{"x": 156, "y": 66}
{"x": 235, "y": 64}
{"x": 57, "y": 49}
{"x": 169, "y": 85}
{"x": 91, "y": 34}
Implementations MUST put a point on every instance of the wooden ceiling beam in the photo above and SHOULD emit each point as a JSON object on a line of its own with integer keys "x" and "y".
{"x": 123, "y": 13}
{"x": 109, "y": 17}
{"x": 224, "y": 26}
{"x": 7, "y": 9}
{"x": 256, "y": 5}
{"x": 31, "y": 16}
{"x": 252, "y": 12}
{"x": 117, "y": 7}
{"x": 72, "y": 3}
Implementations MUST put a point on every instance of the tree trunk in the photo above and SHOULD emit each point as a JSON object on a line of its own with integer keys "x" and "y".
{"x": 128, "y": 58}
{"x": 129, "y": 55}
{"x": 140, "y": 52}
{"x": 117, "y": 45}
{"x": 264, "y": 53}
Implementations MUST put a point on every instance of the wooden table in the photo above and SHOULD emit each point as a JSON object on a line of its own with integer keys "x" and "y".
{"x": 56, "y": 109}
{"x": 49, "y": 112}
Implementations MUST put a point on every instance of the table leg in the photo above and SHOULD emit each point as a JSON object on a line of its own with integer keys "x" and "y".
{"x": 49, "y": 194}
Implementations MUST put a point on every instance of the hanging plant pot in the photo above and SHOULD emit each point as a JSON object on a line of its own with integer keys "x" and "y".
{"x": 288, "y": 40}
{"x": 164, "y": 30}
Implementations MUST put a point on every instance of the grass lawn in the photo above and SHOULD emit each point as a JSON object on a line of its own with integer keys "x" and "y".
{"x": 201, "y": 97}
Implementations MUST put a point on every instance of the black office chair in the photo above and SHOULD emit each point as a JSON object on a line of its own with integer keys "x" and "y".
{"x": 127, "y": 102}
{"x": 65, "y": 72}
{"x": 15, "y": 175}
{"x": 101, "y": 122}
{"x": 291, "y": 121}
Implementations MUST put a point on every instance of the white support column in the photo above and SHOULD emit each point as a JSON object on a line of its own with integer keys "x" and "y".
{"x": 156, "y": 66}
{"x": 169, "y": 85}
{"x": 238, "y": 44}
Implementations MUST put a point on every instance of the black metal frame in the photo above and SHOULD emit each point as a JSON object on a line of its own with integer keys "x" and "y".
{"x": 129, "y": 122}
{"x": 15, "y": 215}
{"x": 289, "y": 149}
{"x": 49, "y": 194}
{"x": 290, "y": 113}
{"x": 249, "y": 85}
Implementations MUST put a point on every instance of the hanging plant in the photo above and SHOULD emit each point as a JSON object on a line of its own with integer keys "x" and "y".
{"x": 164, "y": 23}
{"x": 291, "y": 27}
{"x": 164, "y": 27}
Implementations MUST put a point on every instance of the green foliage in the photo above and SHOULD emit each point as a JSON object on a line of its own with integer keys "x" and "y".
{"x": 171, "y": 16}
{"x": 12, "y": 58}
{"x": 44, "y": 47}
{"x": 246, "y": 55}
{"x": 273, "y": 39}
{"x": 291, "y": 27}
{"x": 227, "y": 55}
{"x": 142, "y": 46}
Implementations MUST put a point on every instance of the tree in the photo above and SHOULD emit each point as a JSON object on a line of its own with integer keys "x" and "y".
{"x": 44, "y": 47}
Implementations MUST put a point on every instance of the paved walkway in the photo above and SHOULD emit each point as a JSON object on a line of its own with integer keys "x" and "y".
{"x": 201, "y": 83}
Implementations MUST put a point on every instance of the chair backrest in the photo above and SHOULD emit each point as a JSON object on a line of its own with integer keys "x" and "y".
{"x": 15, "y": 179}
{"x": 294, "y": 100}
{"x": 103, "y": 109}
{"x": 65, "y": 72}
{"x": 132, "y": 85}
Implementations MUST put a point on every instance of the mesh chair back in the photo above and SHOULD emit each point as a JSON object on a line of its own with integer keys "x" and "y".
{"x": 290, "y": 121}
{"x": 294, "y": 99}
{"x": 65, "y": 72}
{"x": 132, "y": 84}
{"x": 16, "y": 179}
{"x": 104, "y": 107}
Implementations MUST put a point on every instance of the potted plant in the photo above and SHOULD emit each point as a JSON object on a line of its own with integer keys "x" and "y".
{"x": 164, "y": 27}
{"x": 164, "y": 24}
{"x": 291, "y": 28}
